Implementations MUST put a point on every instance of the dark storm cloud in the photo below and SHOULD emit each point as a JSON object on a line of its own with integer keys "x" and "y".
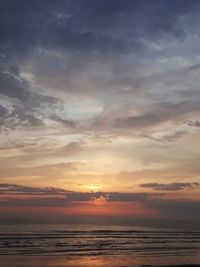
{"x": 12, "y": 86}
{"x": 80, "y": 28}
{"x": 88, "y": 25}
{"x": 169, "y": 187}
{"x": 53, "y": 24}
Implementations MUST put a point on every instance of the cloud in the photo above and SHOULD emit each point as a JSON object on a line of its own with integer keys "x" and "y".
{"x": 90, "y": 26}
{"x": 193, "y": 123}
{"x": 170, "y": 186}
{"x": 65, "y": 122}
{"x": 166, "y": 138}
{"x": 126, "y": 197}
{"x": 173, "y": 137}
{"x": 43, "y": 195}
{"x": 162, "y": 112}
{"x": 25, "y": 196}
{"x": 177, "y": 209}
{"x": 138, "y": 121}
{"x": 22, "y": 104}
{"x": 16, "y": 117}
{"x": 20, "y": 189}
{"x": 74, "y": 32}
{"x": 12, "y": 86}
{"x": 88, "y": 80}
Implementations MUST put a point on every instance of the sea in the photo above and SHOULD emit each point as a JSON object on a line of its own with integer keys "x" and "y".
{"x": 132, "y": 246}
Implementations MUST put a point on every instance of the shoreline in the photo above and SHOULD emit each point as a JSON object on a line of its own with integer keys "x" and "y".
{"x": 94, "y": 261}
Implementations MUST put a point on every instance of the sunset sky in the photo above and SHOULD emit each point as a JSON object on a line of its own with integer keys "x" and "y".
{"x": 100, "y": 108}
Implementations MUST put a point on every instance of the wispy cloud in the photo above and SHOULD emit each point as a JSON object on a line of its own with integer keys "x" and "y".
{"x": 170, "y": 186}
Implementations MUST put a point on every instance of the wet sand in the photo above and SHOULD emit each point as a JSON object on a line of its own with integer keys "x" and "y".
{"x": 98, "y": 261}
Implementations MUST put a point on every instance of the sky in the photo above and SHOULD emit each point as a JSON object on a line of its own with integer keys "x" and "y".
{"x": 99, "y": 109}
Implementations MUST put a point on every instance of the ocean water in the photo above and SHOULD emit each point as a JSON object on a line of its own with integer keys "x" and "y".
{"x": 91, "y": 240}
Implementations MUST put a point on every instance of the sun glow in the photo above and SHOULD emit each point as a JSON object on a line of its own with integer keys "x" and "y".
{"x": 94, "y": 187}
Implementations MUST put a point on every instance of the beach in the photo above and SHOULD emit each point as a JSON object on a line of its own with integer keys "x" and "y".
{"x": 100, "y": 261}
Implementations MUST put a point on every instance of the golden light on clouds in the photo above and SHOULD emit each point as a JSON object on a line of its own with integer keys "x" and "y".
{"x": 90, "y": 107}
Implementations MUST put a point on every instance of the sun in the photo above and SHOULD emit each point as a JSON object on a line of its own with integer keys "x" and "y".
{"x": 94, "y": 187}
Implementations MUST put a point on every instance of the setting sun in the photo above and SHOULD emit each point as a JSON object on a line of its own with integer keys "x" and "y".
{"x": 94, "y": 187}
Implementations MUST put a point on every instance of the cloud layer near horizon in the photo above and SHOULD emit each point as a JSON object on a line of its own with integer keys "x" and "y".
{"x": 18, "y": 198}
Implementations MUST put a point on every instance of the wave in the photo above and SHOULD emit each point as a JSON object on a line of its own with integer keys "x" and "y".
{"x": 142, "y": 242}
